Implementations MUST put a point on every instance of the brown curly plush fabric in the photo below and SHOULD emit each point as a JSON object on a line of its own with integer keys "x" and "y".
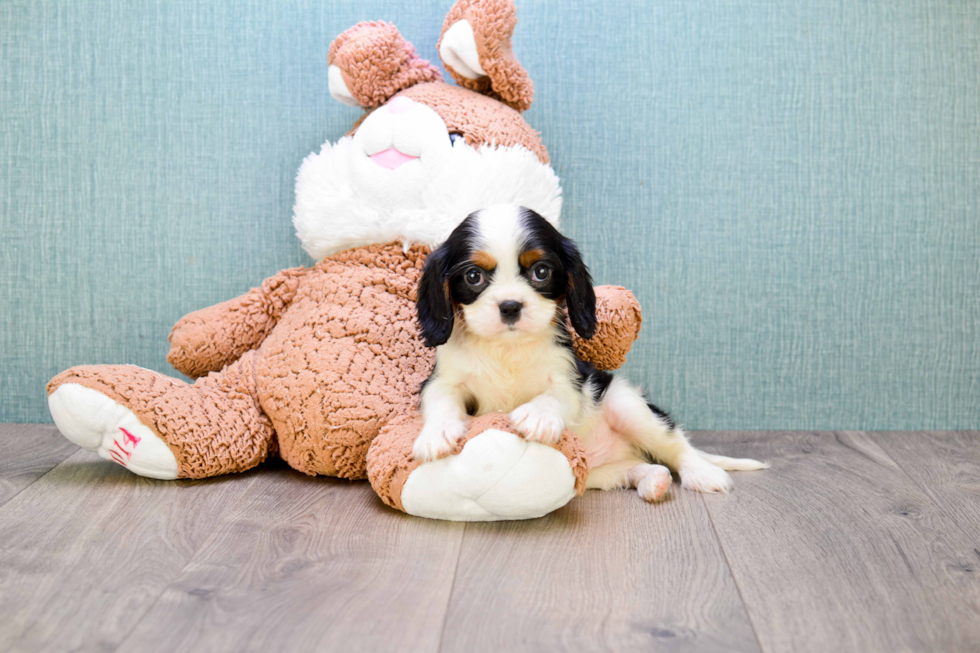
{"x": 479, "y": 118}
{"x": 207, "y": 340}
{"x": 615, "y": 333}
{"x": 344, "y": 359}
{"x": 213, "y": 426}
{"x": 335, "y": 357}
{"x": 493, "y": 24}
{"x": 390, "y": 462}
{"x": 376, "y": 62}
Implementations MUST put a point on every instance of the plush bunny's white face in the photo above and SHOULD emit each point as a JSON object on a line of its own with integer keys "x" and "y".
{"x": 396, "y": 149}
{"x": 429, "y": 153}
{"x": 404, "y": 177}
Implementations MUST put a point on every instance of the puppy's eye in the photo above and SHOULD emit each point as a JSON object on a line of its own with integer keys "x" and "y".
{"x": 474, "y": 277}
{"x": 454, "y": 137}
{"x": 540, "y": 273}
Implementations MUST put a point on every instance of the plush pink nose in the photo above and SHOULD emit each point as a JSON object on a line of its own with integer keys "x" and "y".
{"x": 399, "y": 105}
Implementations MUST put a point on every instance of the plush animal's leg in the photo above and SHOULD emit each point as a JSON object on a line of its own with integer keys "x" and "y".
{"x": 628, "y": 413}
{"x": 95, "y": 422}
{"x": 162, "y": 427}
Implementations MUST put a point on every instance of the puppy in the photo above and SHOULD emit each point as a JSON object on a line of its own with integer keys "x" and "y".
{"x": 491, "y": 301}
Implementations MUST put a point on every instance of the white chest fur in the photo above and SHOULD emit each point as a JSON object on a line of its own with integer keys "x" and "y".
{"x": 502, "y": 375}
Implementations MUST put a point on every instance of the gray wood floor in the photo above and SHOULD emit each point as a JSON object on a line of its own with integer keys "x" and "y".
{"x": 851, "y": 542}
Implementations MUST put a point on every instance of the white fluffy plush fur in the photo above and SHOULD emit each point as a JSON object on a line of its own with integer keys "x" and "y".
{"x": 344, "y": 199}
{"x": 523, "y": 368}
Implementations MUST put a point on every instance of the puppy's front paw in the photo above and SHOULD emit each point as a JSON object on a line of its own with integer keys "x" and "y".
{"x": 537, "y": 423}
{"x": 437, "y": 439}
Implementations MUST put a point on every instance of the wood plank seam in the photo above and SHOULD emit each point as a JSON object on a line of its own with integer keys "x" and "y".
{"x": 66, "y": 460}
{"x": 68, "y": 455}
{"x": 904, "y": 473}
{"x": 865, "y": 562}
{"x": 452, "y": 590}
{"x": 214, "y": 531}
{"x": 731, "y": 572}
{"x": 17, "y": 493}
{"x": 927, "y": 492}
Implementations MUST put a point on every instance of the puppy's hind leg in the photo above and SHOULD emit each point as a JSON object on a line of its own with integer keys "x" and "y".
{"x": 611, "y": 476}
{"x": 628, "y": 413}
{"x": 651, "y": 481}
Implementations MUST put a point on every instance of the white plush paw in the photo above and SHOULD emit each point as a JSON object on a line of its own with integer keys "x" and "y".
{"x": 651, "y": 481}
{"x": 700, "y": 475}
{"x": 437, "y": 439}
{"x": 537, "y": 423}
{"x": 93, "y": 421}
{"x": 497, "y": 475}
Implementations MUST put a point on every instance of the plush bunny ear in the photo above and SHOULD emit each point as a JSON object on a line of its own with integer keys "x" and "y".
{"x": 475, "y": 48}
{"x": 371, "y": 62}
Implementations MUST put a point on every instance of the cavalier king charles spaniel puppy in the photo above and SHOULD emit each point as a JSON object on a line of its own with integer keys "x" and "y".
{"x": 492, "y": 299}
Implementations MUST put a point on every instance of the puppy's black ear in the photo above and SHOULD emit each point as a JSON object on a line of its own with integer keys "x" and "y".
{"x": 434, "y": 305}
{"x": 579, "y": 294}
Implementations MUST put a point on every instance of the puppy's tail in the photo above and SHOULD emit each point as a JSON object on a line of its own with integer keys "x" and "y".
{"x": 734, "y": 464}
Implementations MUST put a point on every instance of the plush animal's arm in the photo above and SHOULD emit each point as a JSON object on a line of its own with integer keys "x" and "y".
{"x": 497, "y": 475}
{"x": 207, "y": 340}
{"x": 619, "y": 319}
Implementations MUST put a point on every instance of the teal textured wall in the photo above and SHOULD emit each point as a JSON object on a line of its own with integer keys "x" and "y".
{"x": 791, "y": 187}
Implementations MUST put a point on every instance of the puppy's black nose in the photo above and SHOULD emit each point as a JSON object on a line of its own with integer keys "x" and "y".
{"x": 510, "y": 311}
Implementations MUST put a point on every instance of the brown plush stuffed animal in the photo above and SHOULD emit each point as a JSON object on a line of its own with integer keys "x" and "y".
{"x": 322, "y": 366}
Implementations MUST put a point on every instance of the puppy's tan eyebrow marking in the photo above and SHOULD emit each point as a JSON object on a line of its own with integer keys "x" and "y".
{"x": 484, "y": 260}
{"x": 530, "y": 257}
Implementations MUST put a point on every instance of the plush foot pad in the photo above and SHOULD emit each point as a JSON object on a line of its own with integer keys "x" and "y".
{"x": 93, "y": 421}
{"x": 497, "y": 475}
